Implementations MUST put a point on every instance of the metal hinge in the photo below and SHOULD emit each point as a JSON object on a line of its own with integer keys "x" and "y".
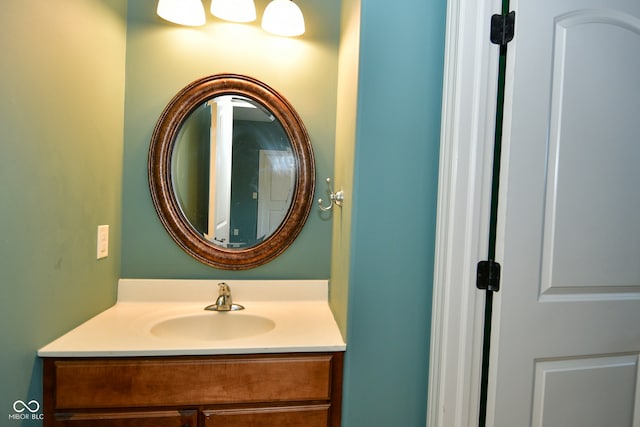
{"x": 503, "y": 28}
{"x": 488, "y": 276}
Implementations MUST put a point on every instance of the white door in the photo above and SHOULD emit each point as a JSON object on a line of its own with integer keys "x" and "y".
{"x": 566, "y": 324}
{"x": 275, "y": 189}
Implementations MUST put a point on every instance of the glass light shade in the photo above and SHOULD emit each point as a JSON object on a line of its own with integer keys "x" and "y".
{"x": 234, "y": 10}
{"x": 183, "y": 12}
{"x": 283, "y": 18}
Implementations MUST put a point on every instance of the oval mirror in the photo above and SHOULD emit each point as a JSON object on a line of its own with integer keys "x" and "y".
{"x": 231, "y": 171}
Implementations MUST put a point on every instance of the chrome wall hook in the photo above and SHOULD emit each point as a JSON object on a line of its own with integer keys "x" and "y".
{"x": 334, "y": 198}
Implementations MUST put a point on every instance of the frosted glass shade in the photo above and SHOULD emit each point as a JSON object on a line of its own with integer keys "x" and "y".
{"x": 183, "y": 12}
{"x": 284, "y": 18}
{"x": 234, "y": 10}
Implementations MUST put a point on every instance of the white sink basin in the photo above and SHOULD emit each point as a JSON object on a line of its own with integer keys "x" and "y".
{"x": 213, "y": 326}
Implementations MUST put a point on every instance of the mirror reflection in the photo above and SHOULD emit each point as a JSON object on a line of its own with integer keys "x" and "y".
{"x": 233, "y": 171}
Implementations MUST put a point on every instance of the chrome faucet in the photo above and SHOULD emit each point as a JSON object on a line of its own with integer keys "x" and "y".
{"x": 224, "y": 302}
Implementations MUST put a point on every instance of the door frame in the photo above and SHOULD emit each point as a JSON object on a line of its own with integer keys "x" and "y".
{"x": 464, "y": 199}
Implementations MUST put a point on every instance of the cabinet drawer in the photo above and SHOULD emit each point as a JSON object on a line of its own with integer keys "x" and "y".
{"x": 129, "y": 419}
{"x": 292, "y": 416}
{"x": 184, "y": 381}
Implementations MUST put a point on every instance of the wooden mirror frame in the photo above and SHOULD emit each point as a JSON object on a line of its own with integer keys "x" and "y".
{"x": 161, "y": 184}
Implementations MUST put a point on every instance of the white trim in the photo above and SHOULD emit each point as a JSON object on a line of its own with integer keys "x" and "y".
{"x": 468, "y": 116}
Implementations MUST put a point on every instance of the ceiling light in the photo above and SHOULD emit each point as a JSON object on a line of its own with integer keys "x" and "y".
{"x": 183, "y": 12}
{"x": 283, "y": 18}
{"x": 234, "y": 10}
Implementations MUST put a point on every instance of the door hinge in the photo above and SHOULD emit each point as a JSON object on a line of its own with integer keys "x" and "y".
{"x": 503, "y": 28}
{"x": 488, "y": 276}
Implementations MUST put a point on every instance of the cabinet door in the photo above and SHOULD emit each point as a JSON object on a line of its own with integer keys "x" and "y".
{"x": 129, "y": 419}
{"x": 290, "y": 416}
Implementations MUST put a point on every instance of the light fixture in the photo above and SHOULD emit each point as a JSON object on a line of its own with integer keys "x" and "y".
{"x": 283, "y": 18}
{"x": 234, "y": 10}
{"x": 183, "y": 12}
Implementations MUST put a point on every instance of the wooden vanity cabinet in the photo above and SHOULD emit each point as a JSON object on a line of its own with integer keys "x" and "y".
{"x": 267, "y": 390}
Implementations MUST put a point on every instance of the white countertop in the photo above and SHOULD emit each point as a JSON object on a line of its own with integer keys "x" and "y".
{"x": 299, "y": 309}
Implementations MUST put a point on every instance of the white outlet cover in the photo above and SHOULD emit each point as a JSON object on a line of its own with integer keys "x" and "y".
{"x": 103, "y": 242}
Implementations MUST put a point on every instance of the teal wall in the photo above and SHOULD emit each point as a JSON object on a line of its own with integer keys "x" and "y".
{"x": 390, "y": 246}
{"x": 161, "y": 59}
{"x": 61, "y": 120}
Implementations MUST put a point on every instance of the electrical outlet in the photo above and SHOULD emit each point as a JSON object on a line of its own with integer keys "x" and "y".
{"x": 103, "y": 241}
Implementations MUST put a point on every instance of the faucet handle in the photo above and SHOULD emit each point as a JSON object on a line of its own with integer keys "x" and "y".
{"x": 224, "y": 289}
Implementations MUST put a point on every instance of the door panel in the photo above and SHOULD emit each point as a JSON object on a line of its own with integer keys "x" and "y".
{"x": 593, "y": 158}
{"x": 592, "y": 392}
{"x": 565, "y": 340}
